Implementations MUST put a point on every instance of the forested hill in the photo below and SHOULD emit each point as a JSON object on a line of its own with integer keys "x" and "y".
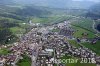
{"x": 12, "y": 17}
{"x": 32, "y": 11}
{"x": 20, "y": 13}
{"x": 58, "y": 3}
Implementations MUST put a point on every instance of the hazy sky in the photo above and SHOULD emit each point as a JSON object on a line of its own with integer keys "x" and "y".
{"x": 88, "y": 0}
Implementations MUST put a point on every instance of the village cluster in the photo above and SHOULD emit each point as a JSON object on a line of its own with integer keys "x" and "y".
{"x": 43, "y": 46}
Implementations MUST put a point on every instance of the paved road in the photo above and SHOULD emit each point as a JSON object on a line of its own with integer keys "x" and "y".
{"x": 34, "y": 58}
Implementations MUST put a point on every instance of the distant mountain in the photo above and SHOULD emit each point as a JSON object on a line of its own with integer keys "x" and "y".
{"x": 57, "y": 3}
{"x": 94, "y": 11}
{"x": 23, "y": 12}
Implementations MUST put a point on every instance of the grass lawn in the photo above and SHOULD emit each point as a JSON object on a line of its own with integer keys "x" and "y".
{"x": 24, "y": 64}
{"x": 55, "y": 30}
{"x": 93, "y": 47}
{"x": 74, "y": 43}
{"x": 39, "y": 20}
{"x": 4, "y": 51}
{"x": 84, "y": 23}
{"x": 45, "y": 20}
{"x": 50, "y": 19}
{"x": 26, "y": 61}
{"x": 79, "y": 32}
{"x": 17, "y": 30}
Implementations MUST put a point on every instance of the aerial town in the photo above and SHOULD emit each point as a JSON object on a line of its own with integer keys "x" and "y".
{"x": 49, "y": 32}
{"x": 44, "y": 46}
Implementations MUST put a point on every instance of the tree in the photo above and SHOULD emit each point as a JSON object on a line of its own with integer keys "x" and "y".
{"x": 98, "y": 27}
{"x": 4, "y": 34}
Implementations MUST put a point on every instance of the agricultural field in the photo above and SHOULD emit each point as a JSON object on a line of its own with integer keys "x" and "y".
{"x": 93, "y": 47}
{"x": 50, "y": 19}
{"x": 74, "y": 43}
{"x": 79, "y": 31}
{"x": 85, "y": 23}
{"x": 17, "y": 30}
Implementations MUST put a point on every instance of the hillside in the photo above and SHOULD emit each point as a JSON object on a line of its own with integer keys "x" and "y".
{"x": 58, "y": 3}
{"x": 12, "y": 19}
{"x": 12, "y": 16}
{"x": 94, "y": 11}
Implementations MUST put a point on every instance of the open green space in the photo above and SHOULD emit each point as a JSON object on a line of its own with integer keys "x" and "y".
{"x": 55, "y": 30}
{"x": 74, "y": 43}
{"x": 84, "y": 23}
{"x": 39, "y": 20}
{"x": 51, "y": 19}
{"x": 79, "y": 31}
{"x": 17, "y": 30}
{"x": 26, "y": 61}
{"x": 4, "y": 51}
{"x": 93, "y": 47}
